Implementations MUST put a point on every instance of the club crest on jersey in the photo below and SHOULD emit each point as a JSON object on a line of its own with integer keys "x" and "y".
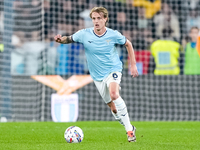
{"x": 108, "y": 41}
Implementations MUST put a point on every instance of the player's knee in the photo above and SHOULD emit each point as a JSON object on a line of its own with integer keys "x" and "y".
{"x": 114, "y": 95}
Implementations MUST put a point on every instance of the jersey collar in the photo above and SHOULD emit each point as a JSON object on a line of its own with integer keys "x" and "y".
{"x": 100, "y": 35}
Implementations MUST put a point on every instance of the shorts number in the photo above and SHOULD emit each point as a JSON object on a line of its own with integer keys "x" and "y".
{"x": 115, "y": 76}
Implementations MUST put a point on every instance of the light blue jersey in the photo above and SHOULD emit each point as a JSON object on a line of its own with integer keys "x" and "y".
{"x": 102, "y": 56}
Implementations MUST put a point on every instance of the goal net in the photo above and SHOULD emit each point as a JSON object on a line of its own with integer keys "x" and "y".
{"x": 163, "y": 33}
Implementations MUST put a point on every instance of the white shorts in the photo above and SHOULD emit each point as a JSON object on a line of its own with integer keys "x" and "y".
{"x": 103, "y": 86}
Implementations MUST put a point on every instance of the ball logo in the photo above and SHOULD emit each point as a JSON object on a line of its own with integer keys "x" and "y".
{"x": 78, "y": 136}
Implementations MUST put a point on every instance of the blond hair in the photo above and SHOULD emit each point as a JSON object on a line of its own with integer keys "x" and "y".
{"x": 99, "y": 10}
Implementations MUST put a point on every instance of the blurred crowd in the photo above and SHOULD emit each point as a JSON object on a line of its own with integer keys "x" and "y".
{"x": 151, "y": 25}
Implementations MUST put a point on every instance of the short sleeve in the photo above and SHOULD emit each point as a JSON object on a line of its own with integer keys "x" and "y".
{"x": 120, "y": 39}
{"x": 78, "y": 36}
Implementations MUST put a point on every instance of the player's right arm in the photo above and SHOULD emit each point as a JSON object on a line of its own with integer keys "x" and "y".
{"x": 63, "y": 39}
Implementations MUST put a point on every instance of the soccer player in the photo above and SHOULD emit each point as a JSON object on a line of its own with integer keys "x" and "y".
{"x": 104, "y": 64}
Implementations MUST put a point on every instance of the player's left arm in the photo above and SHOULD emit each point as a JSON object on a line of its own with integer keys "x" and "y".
{"x": 129, "y": 47}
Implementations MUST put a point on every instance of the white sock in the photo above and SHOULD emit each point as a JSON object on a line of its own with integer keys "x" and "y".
{"x": 117, "y": 118}
{"x": 122, "y": 114}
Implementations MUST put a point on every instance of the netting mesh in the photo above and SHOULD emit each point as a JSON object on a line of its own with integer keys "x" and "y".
{"x": 27, "y": 29}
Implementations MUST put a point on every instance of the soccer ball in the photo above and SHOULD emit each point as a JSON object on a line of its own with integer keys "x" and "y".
{"x": 73, "y": 134}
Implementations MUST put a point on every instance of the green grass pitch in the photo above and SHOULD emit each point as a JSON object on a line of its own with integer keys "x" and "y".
{"x": 100, "y": 135}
